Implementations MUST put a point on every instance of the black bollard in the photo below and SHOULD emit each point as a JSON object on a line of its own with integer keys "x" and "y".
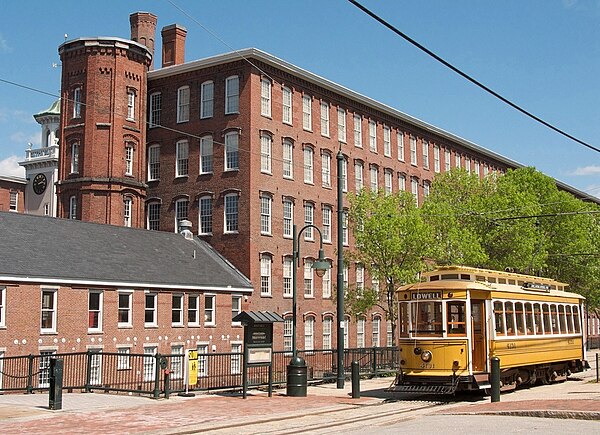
{"x": 56, "y": 383}
{"x": 167, "y": 383}
{"x": 495, "y": 379}
{"x": 355, "y": 380}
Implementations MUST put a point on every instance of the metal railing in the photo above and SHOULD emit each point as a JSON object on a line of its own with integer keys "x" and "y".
{"x": 145, "y": 374}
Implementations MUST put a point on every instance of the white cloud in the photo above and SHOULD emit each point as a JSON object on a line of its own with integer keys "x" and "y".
{"x": 10, "y": 166}
{"x": 587, "y": 170}
{"x": 20, "y": 137}
{"x": 4, "y": 47}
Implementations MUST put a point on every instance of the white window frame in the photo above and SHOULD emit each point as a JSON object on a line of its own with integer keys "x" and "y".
{"x": 149, "y": 363}
{"x": 183, "y": 104}
{"x": 266, "y": 202}
{"x": 153, "y": 162}
{"x": 75, "y": 158}
{"x": 374, "y": 176}
{"x": 176, "y": 361}
{"x": 325, "y": 169}
{"x": 324, "y": 119}
{"x": 182, "y": 211}
{"x": 436, "y": 159}
{"x": 400, "y": 140}
{"x": 123, "y": 358}
{"x": 426, "y": 187}
{"x": 327, "y": 332}
{"x": 153, "y": 216}
{"x": 373, "y": 136}
{"x": 307, "y": 112}
{"x": 288, "y": 156}
{"x": 388, "y": 181}
{"x": 447, "y": 160}
{"x": 127, "y": 211}
{"x": 193, "y": 312}
{"x": 309, "y": 219}
{"x": 236, "y": 308}
{"x": 2, "y": 312}
{"x": 287, "y": 334}
{"x": 73, "y": 207}
{"x": 182, "y": 158}
{"x": 177, "y": 311}
{"x": 95, "y": 365}
{"x": 425, "y": 148}
{"x": 326, "y": 283}
{"x": 468, "y": 165}
{"x": 236, "y": 358}
{"x": 265, "y": 97}
{"x": 231, "y": 216}
{"x": 265, "y": 274}
{"x": 288, "y": 264}
{"x": 207, "y": 97}
{"x": 266, "y": 145}
{"x": 288, "y": 218}
{"x": 129, "y": 153}
{"x": 360, "y": 333}
{"x": 376, "y": 332}
{"x": 128, "y": 309}
{"x": 155, "y": 108}
{"x": 77, "y": 105}
{"x": 345, "y": 234}
{"x": 308, "y": 153}
{"x": 387, "y": 141}
{"x": 414, "y": 189}
{"x": 360, "y": 278}
{"x": 50, "y": 310}
{"x": 206, "y": 154}
{"x": 231, "y": 149}
{"x": 358, "y": 131}
{"x": 13, "y": 201}
{"x": 327, "y": 212}
{"x": 341, "y": 115}
{"x": 153, "y": 323}
{"x": 309, "y": 333}
{"x": 457, "y": 160}
{"x": 359, "y": 176}
{"x": 210, "y": 310}
{"x": 205, "y": 215}
{"x": 131, "y": 104}
{"x": 232, "y": 95}
{"x": 413, "y": 150}
{"x": 402, "y": 182}
{"x": 287, "y": 105}
{"x": 345, "y": 175}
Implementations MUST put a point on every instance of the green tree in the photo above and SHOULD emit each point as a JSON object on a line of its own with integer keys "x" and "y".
{"x": 391, "y": 240}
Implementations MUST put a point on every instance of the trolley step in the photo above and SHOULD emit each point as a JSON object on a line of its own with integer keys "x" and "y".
{"x": 423, "y": 389}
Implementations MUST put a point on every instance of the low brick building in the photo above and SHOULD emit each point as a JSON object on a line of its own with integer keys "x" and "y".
{"x": 71, "y": 286}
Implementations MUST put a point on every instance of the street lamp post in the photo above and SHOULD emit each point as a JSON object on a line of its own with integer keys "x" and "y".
{"x": 296, "y": 370}
{"x": 340, "y": 272}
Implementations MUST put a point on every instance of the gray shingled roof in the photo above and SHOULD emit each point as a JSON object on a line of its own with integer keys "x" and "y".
{"x": 44, "y": 249}
{"x": 258, "y": 317}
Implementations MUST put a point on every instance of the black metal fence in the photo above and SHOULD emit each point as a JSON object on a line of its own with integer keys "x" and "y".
{"x": 146, "y": 374}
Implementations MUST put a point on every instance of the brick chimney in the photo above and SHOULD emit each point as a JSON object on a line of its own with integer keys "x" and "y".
{"x": 143, "y": 30}
{"x": 173, "y": 45}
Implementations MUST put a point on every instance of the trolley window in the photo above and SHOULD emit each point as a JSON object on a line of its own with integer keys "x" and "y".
{"x": 576, "y": 320}
{"x": 562, "y": 319}
{"x": 428, "y": 316}
{"x": 456, "y": 314}
{"x": 404, "y": 319}
{"x": 554, "y": 315}
{"x": 499, "y": 318}
{"x": 569, "y": 313}
{"x": 519, "y": 320}
{"x": 546, "y": 314}
{"x": 529, "y": 318}
{"x": 510, "y": 318}
{"x": 537, "y": 316}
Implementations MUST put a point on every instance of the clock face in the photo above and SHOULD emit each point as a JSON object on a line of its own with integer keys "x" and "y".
{"x": 39, "y": 183}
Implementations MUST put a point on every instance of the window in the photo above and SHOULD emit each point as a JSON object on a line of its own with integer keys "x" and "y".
{"x": 44, "y": 368}
{"x": 236, "y": 308}
{"x": 155, "y": 109}
{"x": 193, "y": 310}
{"x": 345, "y": 228}
{"x": 387, "y": 141}
{"x": 376, "y": 328}
{"x": 447, "y": 160}
{"x": 127, "y": 202}
{"x": 456, "y": 318}
{"x": 94, "y": 311}
{"x": 308, "y": 165}
{"x": 476, "y": 167}
{"x": 77, "y": 103}
{"x": 288, "y": 263}
{"x": 181, "y": 211}
{"x": 427, "y": 317}
{"x": 324, "y": 119}
{"x": 308, "y": 279}
{"x": 131, "y": 104}
{"x": 73, "y": 207}
{"x": 149, "y": 365}
{"x": 232, "y": 94}
{"x": 457, "y": 160}
{"x": 2, "y": 307}
{"x": 357, "y": 131}
{"x": 265, "y": 214}
{"x": 341, "y": 114}
{"x": 360, "y": 333}
{"x": 389, "y": 341}
{"x": 327, "y": 326}
{"x": 413, "y": 151}
{"x": 436, "y": 158}
{"x": 345, "y": 273}
{"x": 265, "y": 97}
{"x": 468, "y": 164}
{"x": 486, "y": 170}
{"x": 414, "y": 188}
{"x": 327, "y": 284}
{"x": 287, "y": 334}
{"x": 326, "y": 169}
{"x": 153, "y": 218}
{"x": 326, "y": 223}
{"x": 309, "y": 331}
{"x": 388, "y": 176}
{"x": 360, "y": 278}
{"x": 153, "y": 162}
{"x": 288, "y": 218}
{"x": 206, "y": 154}
{"x": 150, "y": 310}
{"x": 236, "y": 358}
{"x": 74, "y": 158}
{"x": 309, "y": 212}
{"x": 129, "y": 159}
{"x": 182, "y": 159}
{"x": 48, "y": 323}
{"x": 288, "y": 167}
{"x": 358, "y": 176}
{"x": 265, "y": 275}
{"x": 425, "y": 146}
{"x": 209, "y": 310}
{"x": 231, "y": 151}
{"x": 123, "y": 359}
{"x": 287, "y": 106}
{"x": 177, "y": 310}
{"x": 124, "y": 311}
{"x": 13, "y": 201}
{"x": 205, "y": 206}
{"x": 307, "y": 112}
{"x": 373, "y": 136}
{"x": 202, "y": 360}
{"x": 265, "y": 153}
{"x": 346, "y": 332}
{"x": 400, "y": 139}
{"x": 345, "y": 175}
{"x": 231, "y": 213}
{"x": 207, "y": 95}
{"x": 177, "y": 359}
{"x": 374, "y": 171}
{"x": 426, "y": 187}
{"x": 183, "y": 104}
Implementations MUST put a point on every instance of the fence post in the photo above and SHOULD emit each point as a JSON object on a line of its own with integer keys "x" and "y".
{"x": 374, "y": 361}
{"x": 88, "y": 371}
{"x": 30, "y": 374}
{"x": 156, "y": 375}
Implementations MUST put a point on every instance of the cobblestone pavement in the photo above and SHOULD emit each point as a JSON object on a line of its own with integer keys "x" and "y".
{"x": 579, "y": 398}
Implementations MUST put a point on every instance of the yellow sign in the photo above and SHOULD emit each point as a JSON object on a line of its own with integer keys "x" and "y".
{"x": 192, "y": 367}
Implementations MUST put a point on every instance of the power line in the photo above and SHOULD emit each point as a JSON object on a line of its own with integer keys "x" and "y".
{"x": 468, "y": 77}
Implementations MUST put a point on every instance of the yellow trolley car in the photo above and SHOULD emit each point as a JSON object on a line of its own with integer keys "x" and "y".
{"x": 453, "y": 322}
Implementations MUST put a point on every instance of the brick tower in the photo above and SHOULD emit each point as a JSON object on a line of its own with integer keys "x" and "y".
{"x": 102, "y": 161}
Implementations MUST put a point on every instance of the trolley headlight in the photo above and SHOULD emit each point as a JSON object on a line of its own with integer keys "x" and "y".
{"x": 426, "y": 356}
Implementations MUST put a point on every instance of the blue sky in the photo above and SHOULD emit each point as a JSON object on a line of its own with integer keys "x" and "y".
{"x": 542, "y": 54}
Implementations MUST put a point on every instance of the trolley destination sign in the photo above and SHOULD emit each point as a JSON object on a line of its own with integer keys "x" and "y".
{"x": 425, "y": 295}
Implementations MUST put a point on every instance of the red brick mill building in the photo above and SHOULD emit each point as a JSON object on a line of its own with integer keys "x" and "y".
{"x": 243, "y": 145}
